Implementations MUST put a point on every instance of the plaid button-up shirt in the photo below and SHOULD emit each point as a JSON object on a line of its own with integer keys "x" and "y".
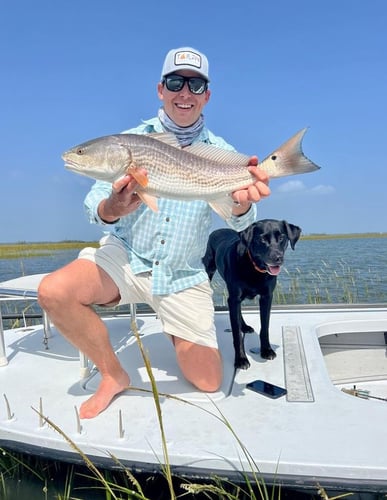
{"x": 171, "y": 242}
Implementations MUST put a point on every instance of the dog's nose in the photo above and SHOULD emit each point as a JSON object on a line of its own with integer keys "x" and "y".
{"x": 277, "y": 258}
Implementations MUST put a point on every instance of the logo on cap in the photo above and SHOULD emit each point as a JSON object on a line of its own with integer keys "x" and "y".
{"x": 188, "y": 58}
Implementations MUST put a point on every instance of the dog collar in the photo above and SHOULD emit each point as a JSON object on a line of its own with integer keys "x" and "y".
{"x": 255, "y": 265}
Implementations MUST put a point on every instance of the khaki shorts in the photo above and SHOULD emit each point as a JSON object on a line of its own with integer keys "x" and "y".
{"x": 188, "y": 314}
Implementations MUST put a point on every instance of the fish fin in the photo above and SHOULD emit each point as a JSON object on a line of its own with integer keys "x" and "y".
{"x": 207, "y": 151}
{"x": 288, "y": 159}
{"x": 140, "y": 177}
{"x": 150, "y": 201}
{"x": 218, "y": 155}
{"x": 223, "y": 207}
{"x": 166, "y": 137}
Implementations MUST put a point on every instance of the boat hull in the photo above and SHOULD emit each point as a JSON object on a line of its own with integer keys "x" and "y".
{"x": 316, "y": 434}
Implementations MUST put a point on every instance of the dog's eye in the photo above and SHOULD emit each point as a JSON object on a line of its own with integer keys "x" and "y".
{"x": 264, "y": 239}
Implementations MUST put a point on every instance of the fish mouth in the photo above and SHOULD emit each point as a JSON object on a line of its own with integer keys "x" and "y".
{"x": 68, "y": 163}
{"x": 74, "y": 167}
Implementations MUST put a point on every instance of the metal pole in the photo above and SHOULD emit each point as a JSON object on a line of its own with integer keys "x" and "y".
{"x": 84, "y": 365}
{"x": 3, "y": 357}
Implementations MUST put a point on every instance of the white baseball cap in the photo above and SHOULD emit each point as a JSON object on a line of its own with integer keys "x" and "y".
{"x": 185, "y": 58}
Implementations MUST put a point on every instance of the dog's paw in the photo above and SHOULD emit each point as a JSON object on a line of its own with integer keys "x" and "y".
{"x": 247, "y": 329}
{"x": 242, "y": 363}
{"x": 268, "y": 353}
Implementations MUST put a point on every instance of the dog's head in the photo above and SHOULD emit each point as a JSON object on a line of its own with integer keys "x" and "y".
{"x": 265, "y": 242}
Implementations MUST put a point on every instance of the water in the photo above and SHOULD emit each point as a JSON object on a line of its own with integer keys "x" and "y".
{"x": 14, "y": 268}
{"x": 348, "y": 270}
{"x": 318, "y": 271}
{"x": 341, "y": 270}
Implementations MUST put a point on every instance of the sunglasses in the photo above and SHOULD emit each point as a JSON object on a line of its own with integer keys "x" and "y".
{"x": 175, "y": 83}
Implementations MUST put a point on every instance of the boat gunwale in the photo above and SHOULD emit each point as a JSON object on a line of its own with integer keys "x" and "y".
{"x": 300, "y": 481}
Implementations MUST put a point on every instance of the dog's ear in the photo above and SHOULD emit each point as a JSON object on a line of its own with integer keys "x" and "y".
{"x": 293, "y": 232}
{"x": 245, "y": 239}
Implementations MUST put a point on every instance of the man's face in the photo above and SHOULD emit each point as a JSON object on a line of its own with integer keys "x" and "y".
{"x": 183, "y": 107}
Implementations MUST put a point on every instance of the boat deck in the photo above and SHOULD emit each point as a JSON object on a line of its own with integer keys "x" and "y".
{"x": 317, "y": 433}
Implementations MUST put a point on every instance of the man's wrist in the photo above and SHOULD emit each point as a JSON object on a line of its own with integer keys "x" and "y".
{"x": 106, "y": 218}
{"x": 109, "y": 221}
{"x": 239, "y": 210}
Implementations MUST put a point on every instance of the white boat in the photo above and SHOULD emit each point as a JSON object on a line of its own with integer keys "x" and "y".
{"x": 329, "y": 429}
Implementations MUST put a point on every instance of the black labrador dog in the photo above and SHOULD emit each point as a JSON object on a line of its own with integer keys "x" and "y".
{"x": 249, "y": 263}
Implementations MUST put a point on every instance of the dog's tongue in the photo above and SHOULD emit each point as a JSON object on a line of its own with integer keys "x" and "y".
{"x": 274, "y": 270}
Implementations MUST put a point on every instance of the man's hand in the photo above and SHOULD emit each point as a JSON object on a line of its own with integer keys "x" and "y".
{"x": 122, "y": 201}
{"x": 252, "y": 193}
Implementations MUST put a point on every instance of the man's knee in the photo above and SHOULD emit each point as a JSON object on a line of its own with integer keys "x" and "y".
{"x": 201, "y": 365}
{"x": 207, "y": 385}
{"x": 47, "y": 292}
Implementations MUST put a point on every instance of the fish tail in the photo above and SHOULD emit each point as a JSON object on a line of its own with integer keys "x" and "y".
{"x": 289, "y": 159}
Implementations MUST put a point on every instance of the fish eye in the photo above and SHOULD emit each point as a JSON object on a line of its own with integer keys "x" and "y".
{"x": 79, "y": 151}
{"x": 274, "y": 157}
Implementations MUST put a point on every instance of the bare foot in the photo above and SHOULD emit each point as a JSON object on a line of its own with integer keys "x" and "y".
{"x": 108, "y": 388}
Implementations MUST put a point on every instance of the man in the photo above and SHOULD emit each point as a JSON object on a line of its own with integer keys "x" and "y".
{"x": 150, "y": 257}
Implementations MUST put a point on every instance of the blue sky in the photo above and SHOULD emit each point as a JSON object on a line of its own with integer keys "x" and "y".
{"x": 75, "y": 70}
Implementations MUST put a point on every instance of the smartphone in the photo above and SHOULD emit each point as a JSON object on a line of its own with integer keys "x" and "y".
{"x": 267, "y": 389}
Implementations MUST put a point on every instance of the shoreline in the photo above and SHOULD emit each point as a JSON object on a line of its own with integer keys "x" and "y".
{"x": 80, "y": 243}
{"x": 26, "y": 249}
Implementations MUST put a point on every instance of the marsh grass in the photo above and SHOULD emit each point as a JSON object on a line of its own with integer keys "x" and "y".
{"x": 26, "y": 250}
{"x": 327, "y": 285}
{"x": 323, "y": 285}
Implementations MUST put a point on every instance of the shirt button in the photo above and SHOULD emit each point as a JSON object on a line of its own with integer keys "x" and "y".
{"x": 167, "y": 219}
{"x": 157, "y": 263}
{"x": 162, "y": 242}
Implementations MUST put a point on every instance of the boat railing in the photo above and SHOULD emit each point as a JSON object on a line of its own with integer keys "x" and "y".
{"x": 26, "y": 288}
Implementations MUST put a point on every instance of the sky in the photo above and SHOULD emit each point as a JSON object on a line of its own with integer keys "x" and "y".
{"x": 78, "y": 69}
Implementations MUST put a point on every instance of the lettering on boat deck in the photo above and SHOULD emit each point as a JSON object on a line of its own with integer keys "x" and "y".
{"x": 297, "y": 380}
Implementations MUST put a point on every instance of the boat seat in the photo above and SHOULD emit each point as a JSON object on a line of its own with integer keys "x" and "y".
{"x": 26, "y": 288}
